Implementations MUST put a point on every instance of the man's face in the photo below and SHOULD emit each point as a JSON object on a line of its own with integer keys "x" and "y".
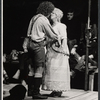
{"x": 70, "y": 15}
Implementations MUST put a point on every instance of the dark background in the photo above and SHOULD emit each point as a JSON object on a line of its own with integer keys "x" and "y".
{"x": 17, "y": 14}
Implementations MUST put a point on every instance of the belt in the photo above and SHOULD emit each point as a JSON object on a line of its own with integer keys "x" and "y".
{"x": 41, "y": 42}
{"x": 36, "y": 41}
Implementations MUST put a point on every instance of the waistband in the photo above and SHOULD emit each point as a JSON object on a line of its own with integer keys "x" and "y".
{"x": 40, "y": 43}
{"x": 36, "y": 41}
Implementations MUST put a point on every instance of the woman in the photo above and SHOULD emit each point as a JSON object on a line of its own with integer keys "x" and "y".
{"x": 57, "y": 72}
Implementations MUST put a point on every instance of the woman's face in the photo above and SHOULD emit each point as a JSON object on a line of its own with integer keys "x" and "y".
{"x": 53, "y": 16}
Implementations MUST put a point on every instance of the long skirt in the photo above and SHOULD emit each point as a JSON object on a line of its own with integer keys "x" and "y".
{"x": 57, "y": 73}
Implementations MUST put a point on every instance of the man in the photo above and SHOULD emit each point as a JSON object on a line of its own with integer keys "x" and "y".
{"x": 39, "y": 29}
{"x": 73, "y": 26}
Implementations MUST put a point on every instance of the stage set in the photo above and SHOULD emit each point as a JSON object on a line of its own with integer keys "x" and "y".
{"x": 16, "y": 17}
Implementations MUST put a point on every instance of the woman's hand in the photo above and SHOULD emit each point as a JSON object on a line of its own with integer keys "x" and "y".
{"x": 64, "y": 51}
{"x": 59, "y": 41}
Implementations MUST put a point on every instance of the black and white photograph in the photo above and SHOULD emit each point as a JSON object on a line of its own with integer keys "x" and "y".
{"x": 49, "y": 50}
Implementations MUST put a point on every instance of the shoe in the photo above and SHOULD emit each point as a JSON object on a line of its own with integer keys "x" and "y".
{"x": 58, "y": 94}
{"x": 39, "y": 96}
{"x": 36, "y": 90}
{"x": 52, "y": 94}
{"x": 55, "y": 94}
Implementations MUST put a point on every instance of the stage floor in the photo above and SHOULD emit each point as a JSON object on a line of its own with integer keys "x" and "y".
{"x": 73, "y": 94}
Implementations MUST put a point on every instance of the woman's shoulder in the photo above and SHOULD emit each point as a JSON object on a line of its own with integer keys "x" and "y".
{"x": 62, "y": 24}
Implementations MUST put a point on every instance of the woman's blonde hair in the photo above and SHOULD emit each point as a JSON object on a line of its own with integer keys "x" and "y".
{"x": 58, "y": 13}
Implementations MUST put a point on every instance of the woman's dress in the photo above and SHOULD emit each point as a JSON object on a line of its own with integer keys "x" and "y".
{"x": 57, "y": 72}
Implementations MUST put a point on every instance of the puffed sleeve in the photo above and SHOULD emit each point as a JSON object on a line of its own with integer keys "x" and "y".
{"x": 63, "y": 31}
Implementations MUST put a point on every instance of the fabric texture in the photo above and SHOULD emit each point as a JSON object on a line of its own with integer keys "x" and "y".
{"x": 57, "y": 72}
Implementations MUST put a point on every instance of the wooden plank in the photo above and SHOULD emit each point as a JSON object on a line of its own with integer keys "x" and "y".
{"x": 66, "y": 95}
{"x": 69, "y": 95}
{"x": 73, "y": 94}
{"x": 96, "y": 98}
{"x": 91, "y": 97}
{"x": 28, "y": 98}
{"x": 86, "y": 96}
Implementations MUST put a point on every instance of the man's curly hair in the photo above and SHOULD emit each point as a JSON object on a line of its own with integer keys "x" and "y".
{"x": 45, "y": 8}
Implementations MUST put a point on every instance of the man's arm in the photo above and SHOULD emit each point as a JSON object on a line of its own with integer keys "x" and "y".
{"x": 49, "y": 30}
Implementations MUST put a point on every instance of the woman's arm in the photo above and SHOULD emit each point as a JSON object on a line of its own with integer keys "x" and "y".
{"x": 63, "y": 33}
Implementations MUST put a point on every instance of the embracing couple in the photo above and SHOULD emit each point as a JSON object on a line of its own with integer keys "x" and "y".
{"x": 51, "y": 67}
